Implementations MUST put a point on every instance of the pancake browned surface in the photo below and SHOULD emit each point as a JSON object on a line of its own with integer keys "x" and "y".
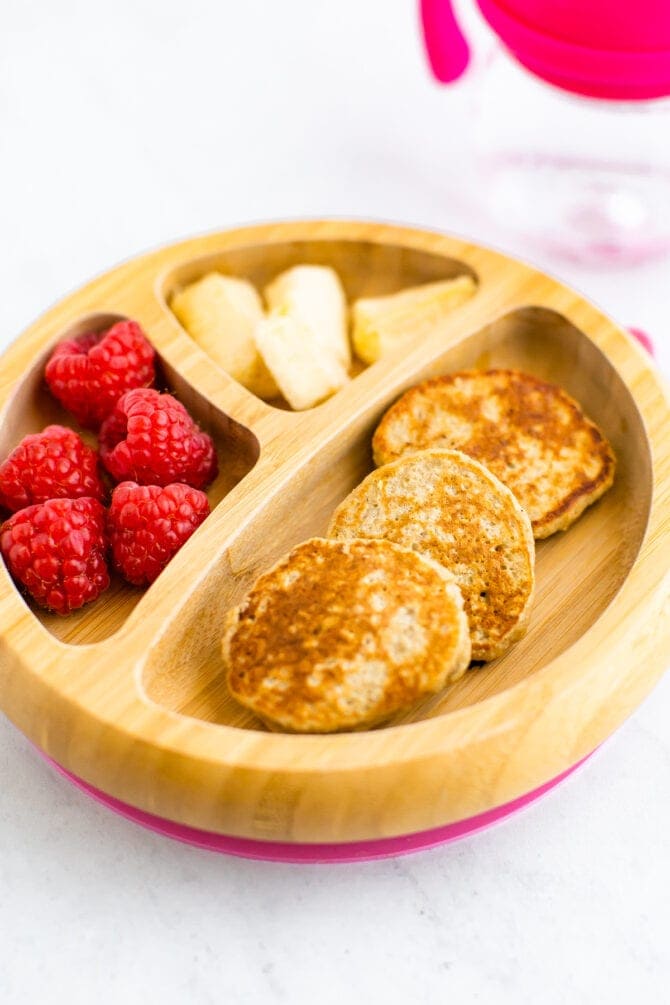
{"x": 448, "y": 506}
{"x": 531, "y": 434}
{"x": 341, "y": 634}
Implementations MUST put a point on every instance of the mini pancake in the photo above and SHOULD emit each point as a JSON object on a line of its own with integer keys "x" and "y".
{"x": 446, "y": 505}
{"x": 532, "y": 435}
{"x": 341, "y": 634}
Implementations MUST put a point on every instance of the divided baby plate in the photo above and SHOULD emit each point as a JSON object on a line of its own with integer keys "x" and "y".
{"x": 128, "y": 694}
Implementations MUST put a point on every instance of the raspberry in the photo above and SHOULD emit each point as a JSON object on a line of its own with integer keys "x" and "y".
{"x": 56, "y": 549}
{"x": 148, "y": 525}
{"x": 151, "y": 439}
{"x": 55, "y": 463}
{"x": 89, "y": 374}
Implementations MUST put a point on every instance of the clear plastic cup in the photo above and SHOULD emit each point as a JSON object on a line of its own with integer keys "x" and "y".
{"x": 582, "y": 177}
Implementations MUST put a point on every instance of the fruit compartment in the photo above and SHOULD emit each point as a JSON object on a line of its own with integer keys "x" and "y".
{"x": 183, "y": 671}
{"x": 32, "y": 407}
{"x": 365, "y": 268}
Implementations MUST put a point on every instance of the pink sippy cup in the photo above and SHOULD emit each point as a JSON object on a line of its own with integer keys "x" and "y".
{"x": 570, "y": 120}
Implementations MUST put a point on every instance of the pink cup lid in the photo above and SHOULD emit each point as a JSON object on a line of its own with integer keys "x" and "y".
{"x": 602, "y": 48}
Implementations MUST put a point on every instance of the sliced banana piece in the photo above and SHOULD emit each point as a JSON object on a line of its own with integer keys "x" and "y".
{"x": 380, "y": 323}
{"x": 313, "y": 295}
{"x": 220, "y": 313}
{"x": 296, "y": 359}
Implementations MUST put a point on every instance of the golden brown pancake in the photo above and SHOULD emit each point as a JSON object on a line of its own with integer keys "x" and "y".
{"x": 529, "y": 433}
{"x": 446, "y": 505}
{"x": 341, "y": 634}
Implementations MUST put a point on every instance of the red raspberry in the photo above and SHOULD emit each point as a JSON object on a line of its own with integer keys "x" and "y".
{"x": 151, "y": 439}
{"x": 89, "y": 374}
{"x": 148, "y": 525}
{"x": 56, "y": 549}
{"x": 53, "y": 464}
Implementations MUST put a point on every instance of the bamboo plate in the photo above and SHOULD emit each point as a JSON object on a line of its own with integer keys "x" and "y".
{"x": 128, "y": 695}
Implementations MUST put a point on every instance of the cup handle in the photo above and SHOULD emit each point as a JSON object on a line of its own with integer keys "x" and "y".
{"x": 446, "y": 47}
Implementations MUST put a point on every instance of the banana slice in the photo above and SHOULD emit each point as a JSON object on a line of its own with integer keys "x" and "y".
{"x": 296, "y": 359}
{"x": 220, "y": 313}
{"x": 380, "y": 323}
{"x": 313, "y": 295}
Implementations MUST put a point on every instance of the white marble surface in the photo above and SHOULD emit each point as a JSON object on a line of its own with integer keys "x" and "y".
{"x": 127, "y": 125}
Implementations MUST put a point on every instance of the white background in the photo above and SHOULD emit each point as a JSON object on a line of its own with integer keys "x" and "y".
{"x": 127, "y": 125}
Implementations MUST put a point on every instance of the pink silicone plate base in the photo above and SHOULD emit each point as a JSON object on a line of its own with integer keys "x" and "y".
{"x": 353, "y": 851}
